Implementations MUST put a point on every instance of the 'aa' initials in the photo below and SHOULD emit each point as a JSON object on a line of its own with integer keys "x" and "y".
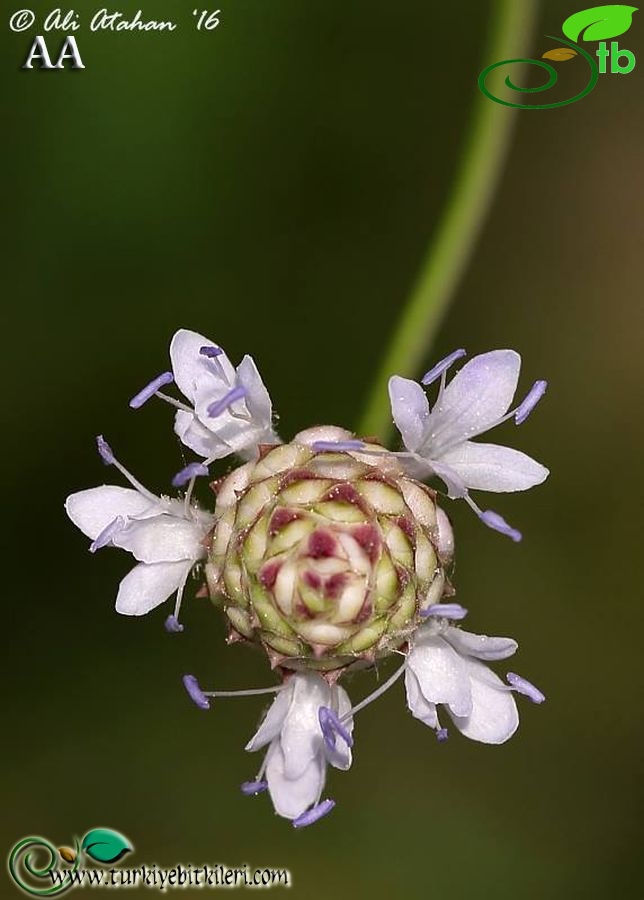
{"x": 39, "y": 54}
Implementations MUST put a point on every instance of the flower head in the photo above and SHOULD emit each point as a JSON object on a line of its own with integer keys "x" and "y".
{"x": 326, "y": 551}
{"x": 326, "y": 556}
{"x": 439, "y": 439}
{"x": 165, "y": 536}
{"x": 298, "y": 751}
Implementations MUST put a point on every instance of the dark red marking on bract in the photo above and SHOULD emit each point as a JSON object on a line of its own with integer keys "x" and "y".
{"x": 268, "y": 574}
{"x": 321, "y": 545}
{"x": 365, "y": 612}
{"x": 312, "y": 579}
{"x": 216, "y": 484}
{"x": 265, "y": 449}
{"x": 403, "y": 576}
{"x": 368, "y": 536}
{"x": 334, "y": 585}
{"x": 378, "y": 475}
{"x": 296, "y": 475}
{"x": 406, "y": 525}
{"x": 344, "y": 493}
{"x": 281, "y": 517}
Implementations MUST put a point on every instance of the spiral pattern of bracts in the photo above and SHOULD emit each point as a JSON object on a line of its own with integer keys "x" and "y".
{"x": 325, "y": 558}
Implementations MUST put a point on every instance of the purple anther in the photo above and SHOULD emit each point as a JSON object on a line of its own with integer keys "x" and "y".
{"x": 523, "y": 686}
{"x": 332, "y": 726}
{"x": 312, "y": 815}
{"x": 211, "y": 351}
{"x": 445, "y": 611}
{"x": 150, "y": 389}
{"x": 441, "y": 367}
{"x": 106, "y": 535}
{"x": 533, "y": 396}
{"x": 173, "y": 626}
{"x": 192, "y": 470}
{"x": 336, "y": 446}
{"x": 195, "y": 693}
{"x": 442, "y": 735}
{"x": 252, "y": 788}
{"x": 219, "y": 406}
{"x": 104, "y": 450}
{"x": 498, "y": 523}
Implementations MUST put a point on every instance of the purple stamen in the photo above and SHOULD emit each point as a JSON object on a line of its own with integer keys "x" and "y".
{"x": 498, "y": 523}
{"x": 442, "y": 735}
{"x": 332, "y": 726}
{"x": 195, "y": 693}
{"x": 106, "y": 535}
{"x": 533, "y": 396}
{"x": 211, "y": 351}
{"x": 104, "y": 450}
{"x": 219, "y": 406}
{"x": 150, "y": 390}
{"x": 252, "y": 788}
{"x": 312, "y": 815}
{"x": 173, "y": 626}
{"x": 523, "y": 686}
{"x": 441, "y": 367}
{"x": 192, "y": 470}
{"x": 445, "y": 611}
{"x": 336, "y": 446}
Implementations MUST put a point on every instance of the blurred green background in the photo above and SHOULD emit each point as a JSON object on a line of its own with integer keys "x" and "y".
{"x": 274, "y": 184}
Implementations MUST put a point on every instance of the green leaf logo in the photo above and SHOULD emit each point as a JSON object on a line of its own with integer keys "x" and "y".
{"x": 599, "y": 23}
{"x": 105, "y": 845}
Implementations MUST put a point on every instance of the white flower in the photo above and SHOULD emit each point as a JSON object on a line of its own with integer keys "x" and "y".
{"x": 230, "y": 409}
{"x": 301, "y": 728}
{"x": 476, "y": 399}
{"x": 165, "y": 536}
{"x": 444, "y": 666}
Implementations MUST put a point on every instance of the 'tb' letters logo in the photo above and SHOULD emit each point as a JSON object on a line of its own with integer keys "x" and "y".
{"x": 600, "y": 23}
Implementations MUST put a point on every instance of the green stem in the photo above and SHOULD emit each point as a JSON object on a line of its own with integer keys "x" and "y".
{"x": 467, "y": 206}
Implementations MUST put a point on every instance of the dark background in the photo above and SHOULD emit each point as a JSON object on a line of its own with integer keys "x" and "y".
{"x": 274, "y": 184}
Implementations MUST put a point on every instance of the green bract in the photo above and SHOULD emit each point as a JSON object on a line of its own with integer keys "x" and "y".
{"x": 325, "y": 558}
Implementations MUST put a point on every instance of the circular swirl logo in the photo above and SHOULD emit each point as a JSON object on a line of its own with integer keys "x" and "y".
{"x": 27, "y": 865}
{"x": 552, "y": 79}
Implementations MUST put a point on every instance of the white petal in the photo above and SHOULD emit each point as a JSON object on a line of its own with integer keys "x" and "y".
{"x": 258, "y": 401}
{"x": 480, "y": 645}
{"x": 419, "y": 707}
{"x": 293, "y": 796}
{"x": 456, "y": 487}
{"x": 147, "y": 586}
{"x": 410, "y": 409}
{"x": 301, "y": 736}
{"x": 162, "y": 539}
{"x": 94, "y": 509}
{"x": 273, "y": 720}
{"x": 490, "y": 467}
{"x": 474, "y": 400}
{"x": 441, "y": 674}
{"x": 197, "y": 437}
{"x": 494, "y": 717}
{"x": 192, "y": 371}
{"x": 340, "y": 757}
